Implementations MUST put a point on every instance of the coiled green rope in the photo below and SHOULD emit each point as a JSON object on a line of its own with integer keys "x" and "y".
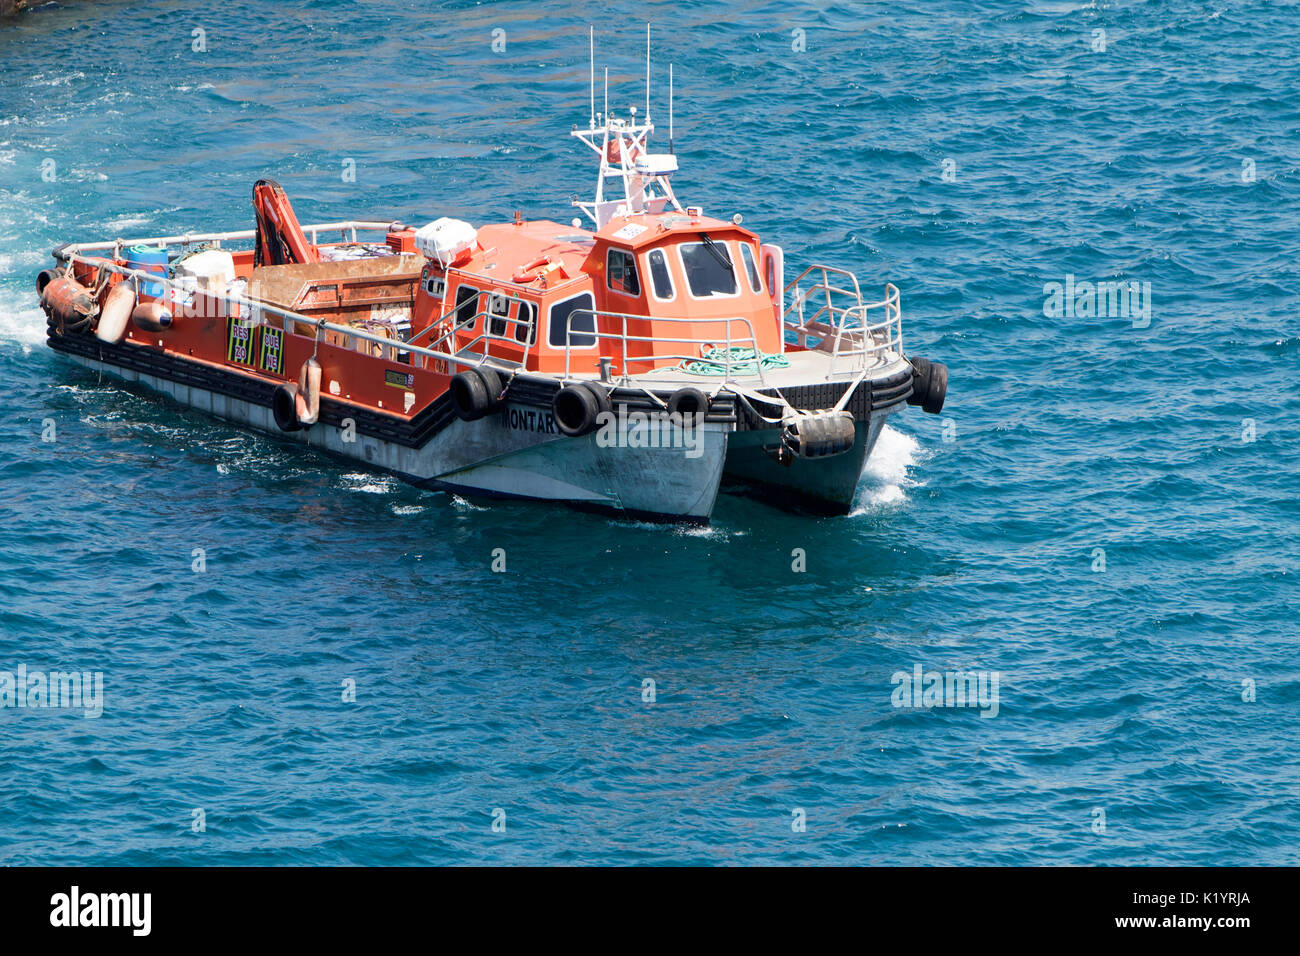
{"x": 739, "y": 360}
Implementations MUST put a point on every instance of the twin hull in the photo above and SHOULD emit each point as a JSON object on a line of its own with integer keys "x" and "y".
{"x": 517, "y": 452}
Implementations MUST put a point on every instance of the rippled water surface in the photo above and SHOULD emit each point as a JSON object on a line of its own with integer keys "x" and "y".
{"x": 1168, "y": 157}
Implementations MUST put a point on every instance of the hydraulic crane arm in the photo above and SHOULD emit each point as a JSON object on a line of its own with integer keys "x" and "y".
{"x": 280, "y": 238}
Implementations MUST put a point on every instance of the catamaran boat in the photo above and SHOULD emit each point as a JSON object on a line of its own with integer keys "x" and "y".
{"x": 635, "y": 366}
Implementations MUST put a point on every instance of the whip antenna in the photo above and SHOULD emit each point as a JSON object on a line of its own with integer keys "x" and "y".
{"x": 647, "y": 74}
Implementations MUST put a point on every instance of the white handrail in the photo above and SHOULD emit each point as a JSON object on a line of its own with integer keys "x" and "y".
{"x": 623, "y": 338}
{"x": 189, "y": 238}
{"x": 844, "y": 328}
{"x": 846, "y": 331}
{"x": 256, "y": 306}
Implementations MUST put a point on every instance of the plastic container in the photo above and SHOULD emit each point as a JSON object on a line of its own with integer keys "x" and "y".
{"x": 448, "y": 241}
{"x": 148, "y": 259}
{"x": 211, "y": 270}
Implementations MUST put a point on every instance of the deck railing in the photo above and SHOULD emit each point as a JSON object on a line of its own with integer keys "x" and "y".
{"x": 254, "y": 312}
{"x": 826, "y": 314}
{"x": 347, "y": 230}
{"x": 508, "y": 333}
{"x": 829, "y": 315}
{"x": 724, "y": 338}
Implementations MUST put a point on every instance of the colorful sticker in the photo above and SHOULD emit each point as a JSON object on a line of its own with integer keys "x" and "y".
{"x": 239, "y": 341}
{"x": 399, "y": 379}
{"x": 271, "y": 351}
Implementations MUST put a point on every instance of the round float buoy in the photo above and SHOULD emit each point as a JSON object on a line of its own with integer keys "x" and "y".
{"x": 475, "y": 392}
{"x": 152, "y": 317}
{"x": 530, "y": 272}
{"x": 69, "y": 304}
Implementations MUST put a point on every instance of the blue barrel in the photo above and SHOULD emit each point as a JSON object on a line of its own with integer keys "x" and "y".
{"x": 148, "y": 259}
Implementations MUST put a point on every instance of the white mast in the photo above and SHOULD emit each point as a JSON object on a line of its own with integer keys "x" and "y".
{"x": 623, "y": 147}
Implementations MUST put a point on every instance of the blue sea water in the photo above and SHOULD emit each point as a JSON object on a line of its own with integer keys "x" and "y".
{"x": 1105, "y": 514}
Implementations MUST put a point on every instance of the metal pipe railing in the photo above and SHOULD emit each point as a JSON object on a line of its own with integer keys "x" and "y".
{"x": 849, "y": 327}
{"x": 623, "y": 338}
{"x": 488, "y": 337}
{"x": 846, "y": 323}
{"x": 258, "y": 308}
{"x": 188, "y": 238}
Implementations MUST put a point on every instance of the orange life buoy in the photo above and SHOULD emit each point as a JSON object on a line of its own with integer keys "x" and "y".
{"x": 532, "y": 270}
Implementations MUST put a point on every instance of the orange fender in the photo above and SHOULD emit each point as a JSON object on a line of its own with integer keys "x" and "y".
{"x": 116, "y": 313}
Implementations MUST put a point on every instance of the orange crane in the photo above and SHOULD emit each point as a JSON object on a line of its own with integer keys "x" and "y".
{"x": 280, "y": 238}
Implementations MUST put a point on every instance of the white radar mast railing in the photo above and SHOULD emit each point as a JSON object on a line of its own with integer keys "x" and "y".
{"x": 624, "y": 154}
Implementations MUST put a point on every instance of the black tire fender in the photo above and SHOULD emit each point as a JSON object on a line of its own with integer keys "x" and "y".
{"x": 284, "y": 407}
{"x": 689, "y": 403}
{"x": 920, "y": 380}
{"x": 469, "y": 395}
{"x": 492, "y": 382}
{"x": 602, "y": 397}
{"x": 938, "y": 389}
{"x": 475, "y": 393}
{"x": 575, "y": 409}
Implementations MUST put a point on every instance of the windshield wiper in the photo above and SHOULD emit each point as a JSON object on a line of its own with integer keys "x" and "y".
{"x": 711, "y": 244}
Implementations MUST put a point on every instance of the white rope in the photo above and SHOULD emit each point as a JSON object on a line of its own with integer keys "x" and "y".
{"x": 844, "y": 399}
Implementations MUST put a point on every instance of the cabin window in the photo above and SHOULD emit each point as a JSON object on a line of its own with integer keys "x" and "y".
{"x": 708, "y": 267}
{"x": 499, "y": 309}
{"x": 436, "y": 286}
{"x": 582, "y": 331}
{"x": 661, "y": 280}
{"x": 466, "y": 305}
{"x": 751, "y": 267}
{"x": 620, "y": 273}
{"x": 526, "y": 323}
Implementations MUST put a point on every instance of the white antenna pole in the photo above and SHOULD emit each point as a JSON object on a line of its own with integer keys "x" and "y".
{"x": 606, "y": 96}
{"x": 647, "y": 74}
{"x": 592, "y": 41}
{"x": 670, "y": 107}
